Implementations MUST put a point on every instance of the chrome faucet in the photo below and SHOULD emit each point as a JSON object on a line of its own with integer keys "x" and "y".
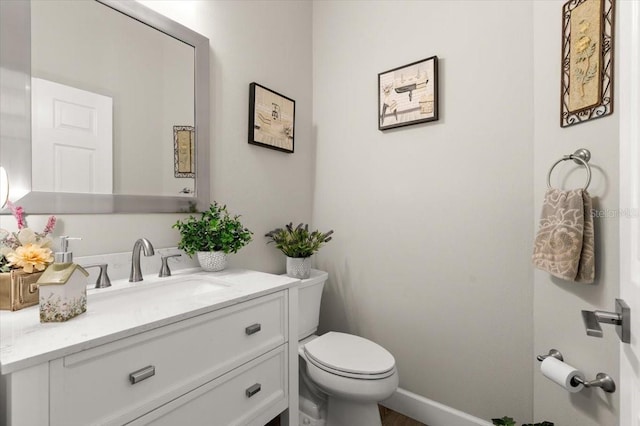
{"x": 142, "y": 243}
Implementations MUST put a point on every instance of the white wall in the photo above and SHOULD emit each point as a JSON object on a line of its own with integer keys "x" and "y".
{"x": 557, "y": 304}
{"x": 266, "y": 42}
{"x": 431, "y": 255}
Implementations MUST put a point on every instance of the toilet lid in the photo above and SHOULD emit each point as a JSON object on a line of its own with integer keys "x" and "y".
{"x": 350, "y": 354}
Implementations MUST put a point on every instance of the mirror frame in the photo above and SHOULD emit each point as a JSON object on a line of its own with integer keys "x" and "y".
{"x": 15, "y": 145}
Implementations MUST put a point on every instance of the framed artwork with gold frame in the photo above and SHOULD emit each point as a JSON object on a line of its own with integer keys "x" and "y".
{"x": 184, "y": 156}
{"x": 587, "y": 61}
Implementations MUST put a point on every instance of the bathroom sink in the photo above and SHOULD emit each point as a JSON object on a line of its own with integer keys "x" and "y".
{"x": 177, "y": 289}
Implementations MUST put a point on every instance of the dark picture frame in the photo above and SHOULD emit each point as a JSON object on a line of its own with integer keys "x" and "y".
{"x": 271, "y": 119}
{"x": 588, "y": 29}
{"x": 408, "y": 94}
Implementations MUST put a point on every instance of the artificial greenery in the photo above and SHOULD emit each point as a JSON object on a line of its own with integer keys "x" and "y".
{"x": 215, "y": 230}
{"x": 508, "y": 421}
{"x": 298, "y": 241}
{"x": 505, "y": 421}
{"x": 4, "y": 264}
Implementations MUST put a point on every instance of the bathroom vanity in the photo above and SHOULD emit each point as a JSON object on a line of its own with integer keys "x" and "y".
{"x": 193, "y": 349}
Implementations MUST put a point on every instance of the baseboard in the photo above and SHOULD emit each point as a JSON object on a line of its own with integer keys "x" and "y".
{"x": 429, "y": 412}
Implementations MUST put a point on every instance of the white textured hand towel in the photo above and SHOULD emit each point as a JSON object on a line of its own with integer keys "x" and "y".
{"x": 564, "y": 245}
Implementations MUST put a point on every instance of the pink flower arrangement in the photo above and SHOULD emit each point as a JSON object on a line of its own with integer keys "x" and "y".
{"x": 25, "y": 249}
{"x": 18, "y": 213}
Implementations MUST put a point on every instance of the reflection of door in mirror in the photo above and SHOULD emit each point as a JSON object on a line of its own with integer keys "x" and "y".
{"x": 71, "y": 139}
{"x": 148, "y": 75}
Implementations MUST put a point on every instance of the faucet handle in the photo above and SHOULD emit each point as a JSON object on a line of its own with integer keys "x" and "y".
{"x": 164, "y": 269}
{"x": 103, "y": 280}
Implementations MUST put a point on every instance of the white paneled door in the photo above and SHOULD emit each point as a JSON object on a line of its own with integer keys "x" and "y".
{"x": 629, "y": 62}
{"x": 71, "y": 139}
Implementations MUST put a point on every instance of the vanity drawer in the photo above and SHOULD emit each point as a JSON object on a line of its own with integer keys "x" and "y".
{"x": 95, "y": 387}
{"x": 249, "y": 395}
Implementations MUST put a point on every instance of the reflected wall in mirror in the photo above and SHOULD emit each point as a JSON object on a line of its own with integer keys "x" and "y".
{"x": 109, "y": 81}
{"x": 4, "y": 187}
{"x": 147, "y": 74}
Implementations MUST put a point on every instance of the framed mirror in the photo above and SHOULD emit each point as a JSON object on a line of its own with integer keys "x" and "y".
{"x": 109, "y": 108}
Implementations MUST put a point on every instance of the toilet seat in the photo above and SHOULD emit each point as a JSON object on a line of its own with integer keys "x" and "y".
{"x": 350, "y": 356}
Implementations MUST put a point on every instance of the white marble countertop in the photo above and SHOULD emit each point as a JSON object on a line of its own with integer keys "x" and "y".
{"x": 123, "y": 310}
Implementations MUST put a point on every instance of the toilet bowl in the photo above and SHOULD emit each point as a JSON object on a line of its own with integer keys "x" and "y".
{"x": 354, "y": 373}
{"x": 343, "y": 376}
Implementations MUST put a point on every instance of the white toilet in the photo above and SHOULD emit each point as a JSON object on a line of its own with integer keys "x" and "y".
{"x": 342, "y": 376}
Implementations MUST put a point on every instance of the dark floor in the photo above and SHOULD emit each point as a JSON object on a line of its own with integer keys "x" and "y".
{"x": 274, "y": 422}
{"x": 389, "y": 418}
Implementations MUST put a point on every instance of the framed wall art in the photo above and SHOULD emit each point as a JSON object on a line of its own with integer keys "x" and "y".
{"x": 184, "y": 156}
{"x": 408, "y": 94}
{"x": 271, "y": 119}
{"x": 587, "y": 61}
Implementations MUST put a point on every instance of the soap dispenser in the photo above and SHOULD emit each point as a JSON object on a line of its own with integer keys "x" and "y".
{"x": 63, "y": 286}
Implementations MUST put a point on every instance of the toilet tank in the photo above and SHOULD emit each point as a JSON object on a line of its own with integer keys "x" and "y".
{"x": 309, "y": 297}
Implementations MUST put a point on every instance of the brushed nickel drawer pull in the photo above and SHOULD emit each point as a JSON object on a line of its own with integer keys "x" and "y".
{"x": 253, "y": 390}
{"x": 142, "y": 374}
{"x": 252, "y": 329}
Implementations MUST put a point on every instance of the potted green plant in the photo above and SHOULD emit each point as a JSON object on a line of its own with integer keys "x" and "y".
{"x": 298, "y": 244}
{"x": 212, "y": 236}
{"x": 508, "y": 421}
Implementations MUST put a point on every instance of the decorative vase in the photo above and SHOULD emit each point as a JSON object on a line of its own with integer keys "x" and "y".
{"x": 212, "y": 261}
{"x": 299, "y": 267}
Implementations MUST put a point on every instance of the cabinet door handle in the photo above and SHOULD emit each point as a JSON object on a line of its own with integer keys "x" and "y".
{"x": 142, "y": 374}
{"x": 253, "y": 390}
{"x": 254, "y": 328}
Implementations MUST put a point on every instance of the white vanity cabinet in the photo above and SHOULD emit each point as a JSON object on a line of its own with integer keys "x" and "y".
{"x": 249, "y": 395}
{"x": 230, "y": 366}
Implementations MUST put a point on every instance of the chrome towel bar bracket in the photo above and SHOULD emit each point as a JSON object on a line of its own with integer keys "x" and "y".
{"x": 581, "y": 156}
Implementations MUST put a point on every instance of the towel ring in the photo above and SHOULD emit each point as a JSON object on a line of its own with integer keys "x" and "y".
{"x": 581, "y": 156}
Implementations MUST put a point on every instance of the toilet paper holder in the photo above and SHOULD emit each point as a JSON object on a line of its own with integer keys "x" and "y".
{"x": 602, "y": 380}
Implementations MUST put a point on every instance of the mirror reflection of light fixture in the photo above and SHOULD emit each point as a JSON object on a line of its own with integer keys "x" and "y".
{"x": 4, "y": 187}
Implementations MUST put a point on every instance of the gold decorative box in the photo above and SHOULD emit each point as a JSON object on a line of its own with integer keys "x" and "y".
{"x": 18, "y": 290}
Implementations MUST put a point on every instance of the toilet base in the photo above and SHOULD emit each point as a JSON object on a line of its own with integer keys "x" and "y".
{"x": 310, "y": 413}
{"x": 342, "y": 412}
{"x": 305, "y": 420}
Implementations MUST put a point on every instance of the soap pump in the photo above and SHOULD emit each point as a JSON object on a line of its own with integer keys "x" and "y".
{"x": 64, "y": 255}
{"x": 63, "y": 286}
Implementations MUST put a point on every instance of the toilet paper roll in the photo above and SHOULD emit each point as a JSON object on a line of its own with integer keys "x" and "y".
{"x": 561, "y": 373}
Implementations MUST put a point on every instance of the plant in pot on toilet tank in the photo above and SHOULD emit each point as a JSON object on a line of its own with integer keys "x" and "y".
{"x": 212, "y": 236}
{"x": 298, "y": 244}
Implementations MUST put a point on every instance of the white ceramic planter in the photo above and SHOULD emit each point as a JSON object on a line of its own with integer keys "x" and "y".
{"x": 212, "y": 261}
{"x": 299, "y": 267}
